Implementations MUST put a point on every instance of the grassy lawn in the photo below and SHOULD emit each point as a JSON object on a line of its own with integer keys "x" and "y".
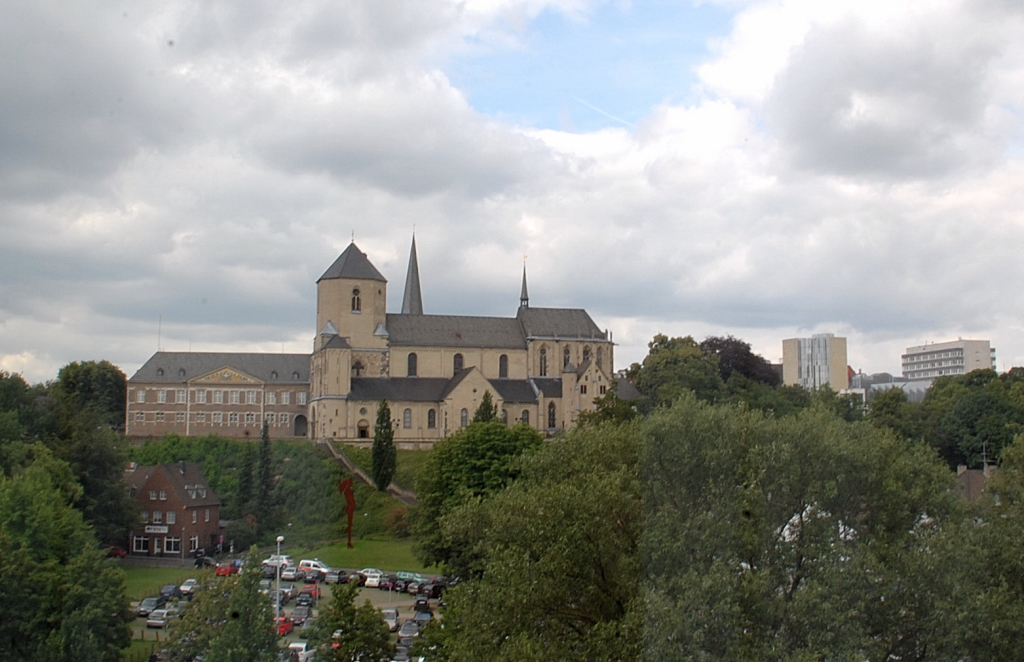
{"x": 142, "y": 581}
{"x": 409, "y": 464}
{"x": 390, "y": 555}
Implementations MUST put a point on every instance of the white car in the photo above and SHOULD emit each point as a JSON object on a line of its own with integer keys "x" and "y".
{"x": 159, "y": 618}
{"x": 274, "y": 561}
{"x": 373, "y": 580}
{"x": 391, "y": 618}
{"x": 305, "y": 653}
{"x": 189, "y": 587}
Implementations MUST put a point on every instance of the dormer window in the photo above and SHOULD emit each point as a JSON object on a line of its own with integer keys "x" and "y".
{"x": 357, "y": 304}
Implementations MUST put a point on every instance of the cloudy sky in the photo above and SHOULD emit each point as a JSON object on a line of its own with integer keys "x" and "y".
{"x": 180, "y": 173}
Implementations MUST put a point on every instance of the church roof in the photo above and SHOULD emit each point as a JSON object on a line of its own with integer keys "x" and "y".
{"x": 408, "y": 389}
{"x": 567, "y": 323}
{"x": 455, "y": 331}
{"x": 353, "y": 263}
{"x": 551, "y": 387}
{"x": 179, "y": 367}
{"x": 516, "y": 390}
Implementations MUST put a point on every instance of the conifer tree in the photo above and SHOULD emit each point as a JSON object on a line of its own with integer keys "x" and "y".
{"x": 245, "y": 482}
{"x": 384, "y": 456}
{"x": 487, "y": 411}
{"x": 264, "y": 482}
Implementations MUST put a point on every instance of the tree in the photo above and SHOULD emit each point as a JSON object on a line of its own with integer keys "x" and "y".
{"x": 264, "y": 481}
{"x": 675, "y": 366}
{"x": 609, "y": 408}
{"x": 734, "y": 356}
{"x": 97, "y": 386}
{"x": 475, "y": 461}
{"x": 245, "y": 482}
{"x": 487, "y": 411}
{"x": 383, "y": 460}
{"x": 362, "y": 633}
{"x": 803, "y": 537}
{"x": 228, "y": 620}
{"x": 566, "y": 534}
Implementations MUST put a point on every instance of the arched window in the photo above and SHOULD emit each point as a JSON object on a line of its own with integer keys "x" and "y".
{"x": 565, "y": 358}
{"x": 357, "y": 368}
{"x": 600, "y": 357}
{"x": 357, "y": 303}
{"x": 551, "y": 415}
{"x": 526, "y": 416}
{"x": 504, "y": 416}
{"x": 586, "y": 353}
{"x": 503, "y": 366}
{"x": 364, "y": 430}
{"x": 412, "y": 365}
{"x": 407, "y": 419}
{"x": 457, "y": 362}
{"x": 464, "y": 417}
{"x": 543, "y": 362}
{"x": 431, "y": 419}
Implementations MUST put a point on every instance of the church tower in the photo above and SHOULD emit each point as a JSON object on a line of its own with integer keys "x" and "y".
{"x": 352, "y": 296}
{"x": 412, "y": 302}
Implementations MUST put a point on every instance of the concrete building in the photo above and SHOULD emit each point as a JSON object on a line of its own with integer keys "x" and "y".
{"x": 957, "y": 357}
{"x": 816, "y": 361}
{"x": 542, "y": 366}
{"x": 180, "y": 514}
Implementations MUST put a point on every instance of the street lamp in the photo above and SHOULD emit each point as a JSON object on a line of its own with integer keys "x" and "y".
{"x": 277, "y": 596}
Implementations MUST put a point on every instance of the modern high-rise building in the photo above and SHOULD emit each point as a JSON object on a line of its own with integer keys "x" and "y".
{"x": 816, "y": 361}
{"x": 957, "y": 357}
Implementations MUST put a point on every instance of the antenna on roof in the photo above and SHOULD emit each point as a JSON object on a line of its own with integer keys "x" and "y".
{"x": 353, "y": 236}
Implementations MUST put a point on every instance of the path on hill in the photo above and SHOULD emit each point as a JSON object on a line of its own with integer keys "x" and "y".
{"x": 408, "y": 497}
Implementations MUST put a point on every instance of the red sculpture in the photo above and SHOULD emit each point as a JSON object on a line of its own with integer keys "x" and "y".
{"x": 345, "y": 487}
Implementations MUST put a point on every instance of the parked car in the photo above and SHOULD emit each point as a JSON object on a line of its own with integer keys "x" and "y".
{"x": 373, "y": 580}
{"x": 371, "y": 571}
{"x": 302, "y": 650}
{"x": 170, "y": 591}
{"x": 422, "y": 617}
{"x": 285, "y": 625}
{"x": 412, "y": 588}
{"x": 314, "y": 576}
{"x": 391, "y": 618}
{"x": 159, "y": 618}
{"x": 290, "y": 573}
{"x": 409, "y": 629}
{"x": 335, "y": 576}
{"x": 313, "y": 564}
{"x": 151, "y": 603}
{"x": 279, "y": 595}
{"x": 225, "y": 569}
{"x": 289, "y": 590}
{"x": 189, "y": 586}
{"x": 304, "y": 600}
{"x": 265, "y": 586}
{"x": 274, "y": 561}
{"x": 205, "y": 562}
{"x": 422, "y": 604}
{"x": 301, "y": 614}
{"x": 311, "y": 589}
{"x": 116, "y": 551}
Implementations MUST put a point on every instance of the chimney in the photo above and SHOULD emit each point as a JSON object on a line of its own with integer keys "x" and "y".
{"x": 181, "y": 467}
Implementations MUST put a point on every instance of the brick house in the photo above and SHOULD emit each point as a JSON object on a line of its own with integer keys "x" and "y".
{"x": 180, "y": 513}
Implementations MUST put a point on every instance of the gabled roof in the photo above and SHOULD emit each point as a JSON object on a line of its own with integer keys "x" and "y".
{"x": 551, "y": 387}
{"x": 568, "y": 323}
{"x": 180, "y": 475}
{"x": 454, "y": 331}
{"x": 352, "y": 263}
{"x": 179, "y": 367}
{"x": 409, "y": 389}
{"x": 625, "y": 390}
{"x": 516, "y": 391}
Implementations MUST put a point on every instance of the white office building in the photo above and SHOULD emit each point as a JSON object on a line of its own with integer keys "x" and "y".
{"x": 957, "y": 357}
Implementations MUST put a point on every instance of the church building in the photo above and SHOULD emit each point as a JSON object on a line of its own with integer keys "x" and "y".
{"x": 542, "y": 367}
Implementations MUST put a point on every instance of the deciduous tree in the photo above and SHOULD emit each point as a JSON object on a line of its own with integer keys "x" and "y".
{"x": 347, "y": 633}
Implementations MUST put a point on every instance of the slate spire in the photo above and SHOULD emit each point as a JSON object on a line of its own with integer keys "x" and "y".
{"x": 524, "y": 297}
{"x": 412, "y": 301}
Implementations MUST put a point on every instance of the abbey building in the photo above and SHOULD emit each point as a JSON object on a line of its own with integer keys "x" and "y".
{"x": 542, "y": 367}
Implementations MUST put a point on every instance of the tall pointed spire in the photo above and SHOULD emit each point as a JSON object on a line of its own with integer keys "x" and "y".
{"x": 524, "y": 297}
{"x": 412, "y": 302}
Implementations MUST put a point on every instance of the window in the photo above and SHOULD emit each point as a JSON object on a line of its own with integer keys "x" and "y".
{"x": 236, "y": 397}
{"x": 526, "y": 416}
{"x": 565, "y": 358}
{"x": 141, "y": 544}
{"x": 586, "y": 353}
{"x": 357, "y": 304}
{"x": 201, "y": 417}
{"x": 284, "y": 419}
{"x": 286, "y": 397}
{"x": 179, "y": 417}
{"x": 357, "y": 369}
{"x": 504, "y": 416}
{"x": 551, "y": 415}
{"x": 139, "y": 416}
{"x": 218, "y": 417}
{"x": 600, "y": 357}
{"x": 431, "y": 419}
{"x": 583, "y": 389}
{"x": 603, "y": 388}
{"x": 250, "y": 397}
{"x": 411, "y": 365}
{"x": 172, "y": 517}
{"x": 163, "y": 495}
{"x": 193, "y": 543}
{"x": 301, "y": 398}
{"x": 152, "y": 495}
{"x": 271, "y": 398}
{"x": 233, "y": 417}
{"x": 158, "y": 517}
{"x": 457, "y": 363}
{"x": 195, "y": 516}
{"x": 180, "y": 396}
{"x": 270, "y": 419}
{"x": 218, "y": 397}
{"x": 159, "y": 416}
{"x": 201, "y": 397}
{"x": 145, "y": 517}
{"x": 503, "y": 366}
{"x": 161, "y": 396}
{"x": 407, "y": 418}
{"x": 172, "y": 545}
{"x": 140, "y": 396}
{"x": 543, "y": 362}
{"x": 250, "y": 417}
{"x": 464, "y": 418}
{"x": 207, "y": 515}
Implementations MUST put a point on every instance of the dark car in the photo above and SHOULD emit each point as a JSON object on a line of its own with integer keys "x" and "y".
{"x": 422, "y": 604}
{"x": 151, "y": 603}
{"x": 301, "y": 614}
{"x": 304, "y": 600}
{"x": 314, "y": 576}
{"x": 205, "y": 562}
{"x": 170, "y": 591}
{"x": 335, "y": 576}
{"x": 422, "y": 618}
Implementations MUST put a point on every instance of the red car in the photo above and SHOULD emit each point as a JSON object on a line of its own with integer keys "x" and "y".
{"x": 311, "y": 589}
{"x": 224, "y": 569}
{"x": 117, "y": 551}
{"x": 285, "y": 625}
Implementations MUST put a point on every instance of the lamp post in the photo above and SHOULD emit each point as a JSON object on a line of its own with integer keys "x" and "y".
{"x": 277, "y": 596}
